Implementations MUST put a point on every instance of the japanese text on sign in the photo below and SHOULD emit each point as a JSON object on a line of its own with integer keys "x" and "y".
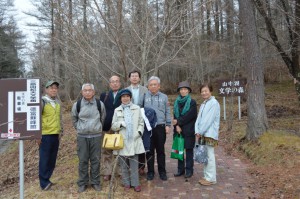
{"x": 232, "y": 87}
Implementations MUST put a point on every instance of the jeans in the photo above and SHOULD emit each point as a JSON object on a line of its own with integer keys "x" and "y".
{"x": 48, "y": 153}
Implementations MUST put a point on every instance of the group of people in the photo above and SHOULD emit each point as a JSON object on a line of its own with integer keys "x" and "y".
{"x": 123, "y": 111}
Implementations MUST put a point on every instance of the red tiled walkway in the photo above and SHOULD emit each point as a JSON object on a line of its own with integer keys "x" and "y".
{"x": 231, "y": 176}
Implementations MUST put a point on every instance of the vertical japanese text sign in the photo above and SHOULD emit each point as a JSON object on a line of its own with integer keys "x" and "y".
{"x": 20, "y": 108}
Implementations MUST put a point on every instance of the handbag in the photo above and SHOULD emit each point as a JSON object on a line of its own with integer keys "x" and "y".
{"x": 200, "y": 153}
{"x": 178, "y": 148}
{"x": 113, "y": 141}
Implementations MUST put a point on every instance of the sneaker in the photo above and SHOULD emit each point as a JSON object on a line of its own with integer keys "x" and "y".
{"x": 163, "y": 177}
{"x": 150, "y": 176}
{"x": 96, "y": 187}
{"x": 137, "y": 188}
{"x": 206, "y": 183}
{"x": 81, "y": 188}
{"x": 48, "y": 186}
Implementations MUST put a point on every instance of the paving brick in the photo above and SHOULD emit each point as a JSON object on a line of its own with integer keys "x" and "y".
{"x": 231, "y": 176}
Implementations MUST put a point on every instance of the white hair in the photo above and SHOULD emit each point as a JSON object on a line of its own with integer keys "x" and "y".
{"x": 154, "y": 78}
{"x": 88, "y": 84}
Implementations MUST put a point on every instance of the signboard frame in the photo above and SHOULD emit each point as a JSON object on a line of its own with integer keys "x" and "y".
{"x": 20, "y": 107}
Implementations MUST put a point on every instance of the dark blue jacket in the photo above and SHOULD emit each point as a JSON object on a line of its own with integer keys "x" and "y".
{"x": 151, "y": 116}
{"x": 110, "y": 104}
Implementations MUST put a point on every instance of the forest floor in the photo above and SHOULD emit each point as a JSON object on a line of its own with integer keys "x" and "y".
{"x": 267, "y": 168}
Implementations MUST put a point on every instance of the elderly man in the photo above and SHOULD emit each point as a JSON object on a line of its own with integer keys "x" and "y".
{"x": 51, "y": 131}
{"x": 138, "y": 91}
{"x": 159, "y": 102}
{"x": 88, "y": 115}
{"x": 111, "y": 101}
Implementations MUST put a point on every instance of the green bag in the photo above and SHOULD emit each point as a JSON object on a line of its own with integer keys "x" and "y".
{"x": 178, "y": 148}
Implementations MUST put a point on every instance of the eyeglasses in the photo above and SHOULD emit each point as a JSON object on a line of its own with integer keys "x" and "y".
{"x": 115, "y": 82}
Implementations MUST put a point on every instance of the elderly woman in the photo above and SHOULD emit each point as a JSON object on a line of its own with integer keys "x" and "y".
{"x": 185, "y": 114}
{"x": 207, "y": 128}
{"x": 128, "y": 121}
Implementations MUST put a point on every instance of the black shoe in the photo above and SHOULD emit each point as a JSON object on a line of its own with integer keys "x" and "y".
{"x": 150, "y": 176}
{"x": 179, "y": 173}
{"x": 96, "y": 187}
{"x": 188, "y": 175}
{"x": 48, "y": 186}
{"x": 163, "y": 177}
{"x": 81, "y": 188}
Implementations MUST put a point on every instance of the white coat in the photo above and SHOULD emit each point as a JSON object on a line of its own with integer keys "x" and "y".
{"x": 135, "y": 144}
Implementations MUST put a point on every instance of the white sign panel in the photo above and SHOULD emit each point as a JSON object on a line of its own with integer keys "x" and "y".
{"x": 33, "y": 91}
{"x": 33, "y": 118}
{"x": 21, "y": 100}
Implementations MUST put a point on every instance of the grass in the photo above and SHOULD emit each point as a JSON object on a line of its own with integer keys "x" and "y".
{"x": 274, "y": 147}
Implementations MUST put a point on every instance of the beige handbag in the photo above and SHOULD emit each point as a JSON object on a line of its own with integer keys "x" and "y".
{"x": 113, "y": 141}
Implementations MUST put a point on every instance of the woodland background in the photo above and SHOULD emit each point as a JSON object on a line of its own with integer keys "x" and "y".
{"x": 195, "y": 40}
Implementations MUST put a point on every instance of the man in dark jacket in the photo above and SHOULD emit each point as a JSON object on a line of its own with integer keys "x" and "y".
{"x": 111, "y": 101}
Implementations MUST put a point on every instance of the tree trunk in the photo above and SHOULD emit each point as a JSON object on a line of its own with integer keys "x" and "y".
{"x": 257, "y": 117}
{"x": 52, "y": 40}
{"x": 70, "y": 48}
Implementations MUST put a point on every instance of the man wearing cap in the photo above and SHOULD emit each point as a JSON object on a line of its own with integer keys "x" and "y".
{"x": 51, "y": 132}
{"x": 111, "y": 101}
{"x": 138, "y": 91}
{"x": 159, "y": 102}
{"x": 88, "y": 124}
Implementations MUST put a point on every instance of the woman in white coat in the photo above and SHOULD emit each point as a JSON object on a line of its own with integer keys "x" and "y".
{"x": 128, "y": 121}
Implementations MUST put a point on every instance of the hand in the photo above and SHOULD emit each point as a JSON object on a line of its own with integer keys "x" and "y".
{"x": 178, "y": 129}
{"x": 167, "y": 129}
{"x": 174, "y": 122}
{"x": 123, "y": 124}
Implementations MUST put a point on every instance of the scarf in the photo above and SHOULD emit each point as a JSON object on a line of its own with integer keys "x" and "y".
{"x": 128, "y": 120}
{"x": 187, "y": 105}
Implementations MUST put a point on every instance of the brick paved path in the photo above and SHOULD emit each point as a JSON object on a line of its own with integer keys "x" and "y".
{"x": 232, "y": 180}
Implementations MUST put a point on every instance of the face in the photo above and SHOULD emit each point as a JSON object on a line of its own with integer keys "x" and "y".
{"x": 88, "y": 93}
{"x": 125, "y": 99}
{"x": 184, "y": 92}
{"x": 134, "y": 78}
{"x": 205, "y": 93}
{"x": 153, "y": 86}
{"x": 114, "y": 83}
{"x": 52, "y": 90}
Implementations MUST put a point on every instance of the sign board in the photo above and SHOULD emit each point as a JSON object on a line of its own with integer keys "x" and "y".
{"x": 229, "y": 87}
{"x": 20, "y": 109}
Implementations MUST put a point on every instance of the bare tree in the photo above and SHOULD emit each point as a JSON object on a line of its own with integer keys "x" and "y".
{"x": 292, "y": 20}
